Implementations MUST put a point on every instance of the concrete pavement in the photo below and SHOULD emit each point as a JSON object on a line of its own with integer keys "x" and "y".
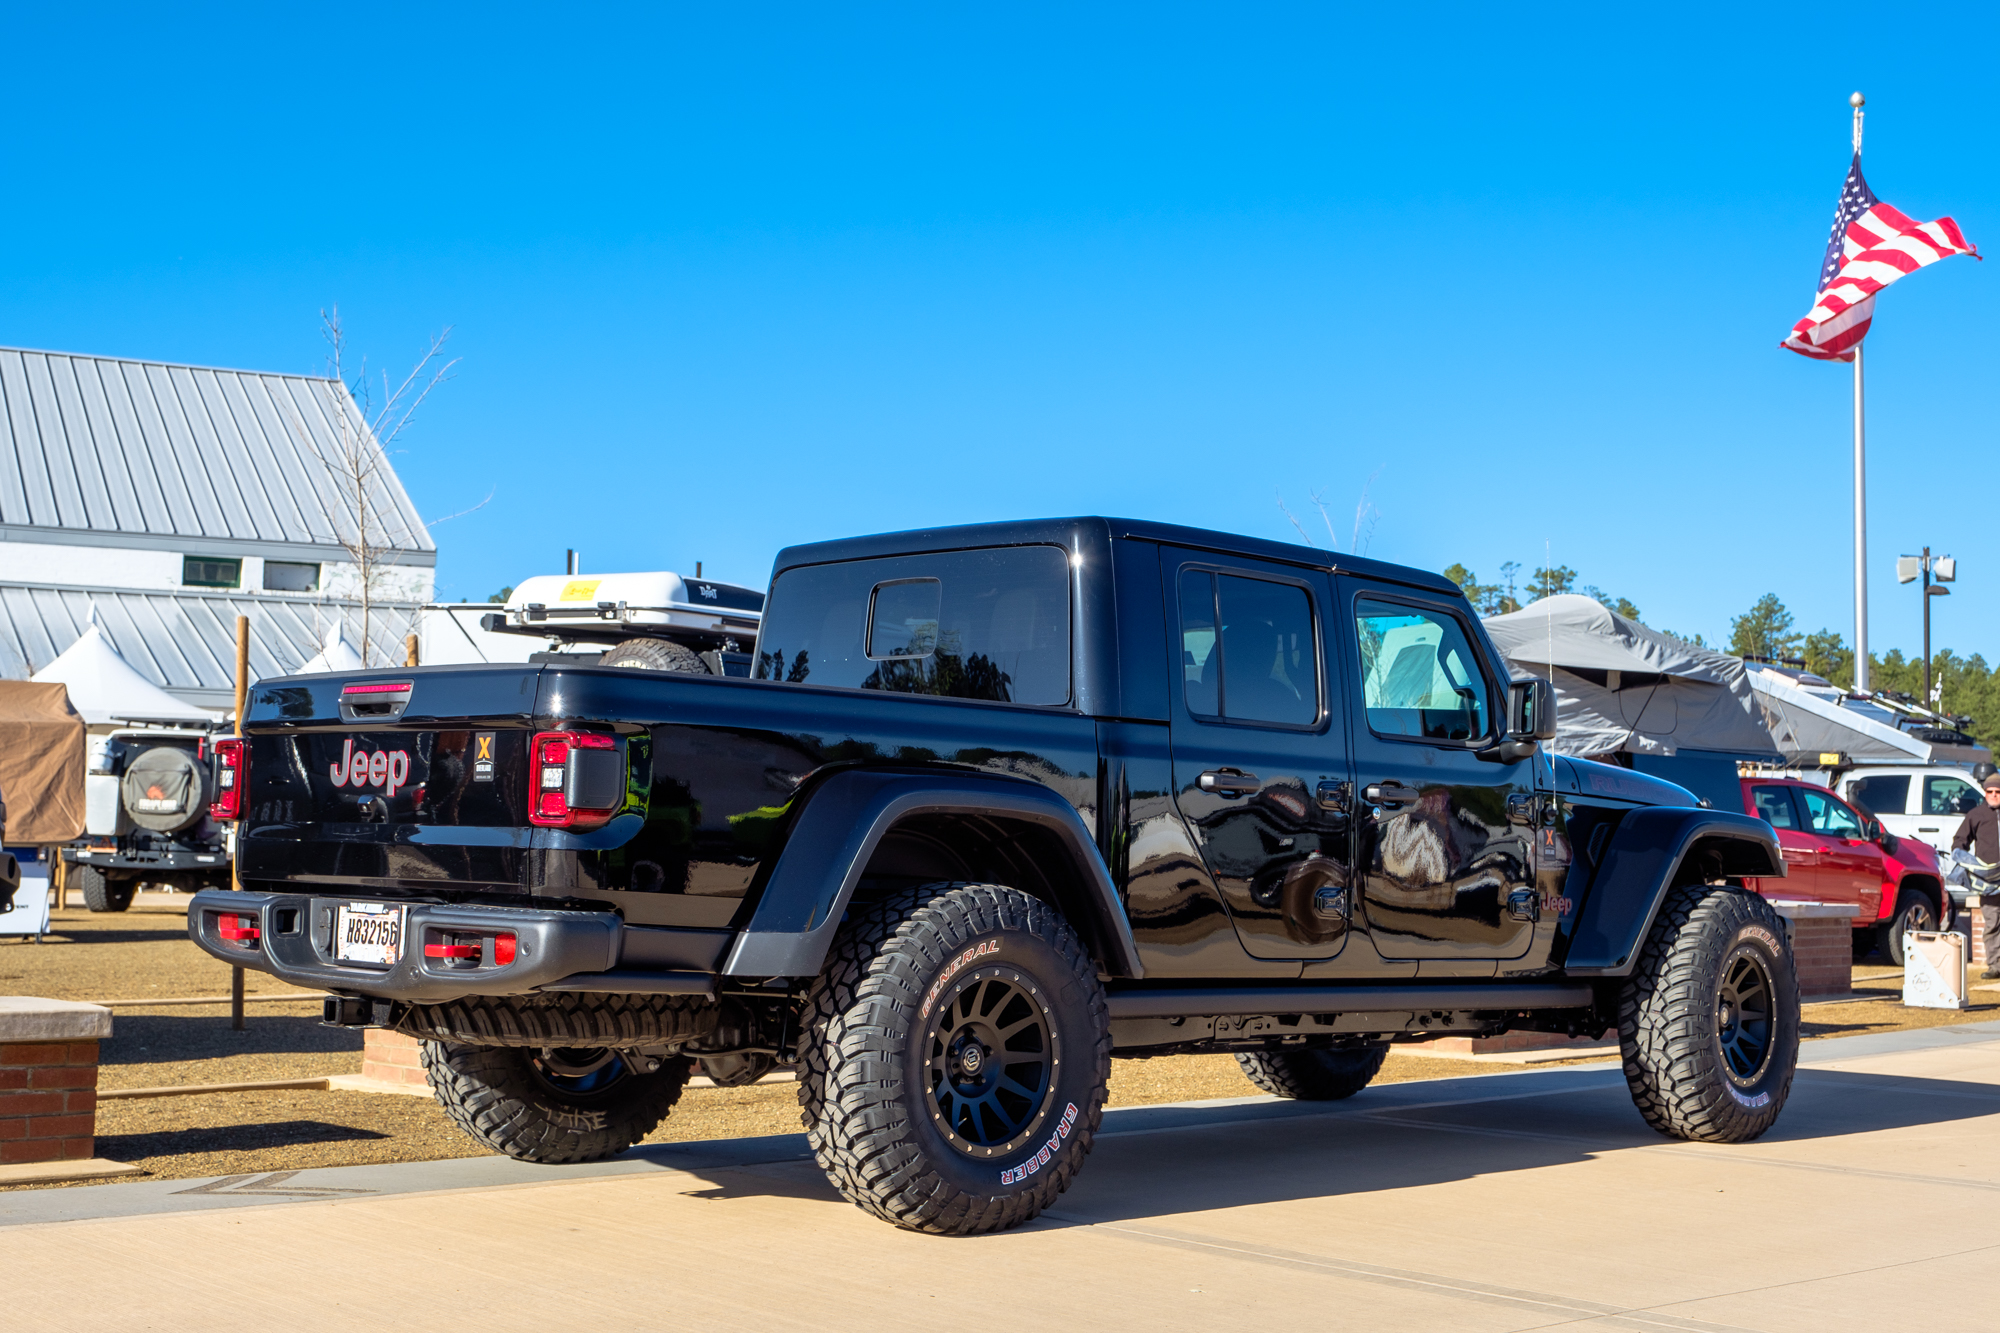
{"x": 1503, "y": 1202}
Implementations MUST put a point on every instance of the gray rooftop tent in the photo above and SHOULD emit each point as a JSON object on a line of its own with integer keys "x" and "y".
{"x": 1635, "y": 696}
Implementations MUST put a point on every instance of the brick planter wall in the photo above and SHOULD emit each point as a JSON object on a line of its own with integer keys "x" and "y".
{"x": 48, "y": 1101}
{"x": 1822, "y": 947}
{"x": 391, "y": 1057}
{"x": 48, "y": 1080}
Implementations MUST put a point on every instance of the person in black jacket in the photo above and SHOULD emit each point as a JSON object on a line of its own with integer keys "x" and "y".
{"x": 1980, "y": 830}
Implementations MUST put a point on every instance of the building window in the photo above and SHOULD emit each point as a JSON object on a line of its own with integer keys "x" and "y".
{"x": 290, "y": 576}
{"x": 201, "y": 571}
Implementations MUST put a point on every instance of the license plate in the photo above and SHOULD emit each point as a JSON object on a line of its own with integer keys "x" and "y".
{"x": 368, "y": 933}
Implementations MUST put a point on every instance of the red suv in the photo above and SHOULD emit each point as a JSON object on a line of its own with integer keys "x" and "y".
{"x": 1835, "y": 853}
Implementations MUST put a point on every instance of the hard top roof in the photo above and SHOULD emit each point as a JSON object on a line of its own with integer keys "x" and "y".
{"x": 1069, "y": 532}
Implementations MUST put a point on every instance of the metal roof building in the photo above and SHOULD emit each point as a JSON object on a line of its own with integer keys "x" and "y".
{"x": 176, "y": 498}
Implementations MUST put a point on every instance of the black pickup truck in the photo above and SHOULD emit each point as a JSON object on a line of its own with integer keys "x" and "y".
{"x": 999, "y": 803}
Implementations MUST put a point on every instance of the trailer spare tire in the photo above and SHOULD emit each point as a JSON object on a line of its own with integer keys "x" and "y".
{"x": 165, "y": 789}
{"x": 655, "y": 655}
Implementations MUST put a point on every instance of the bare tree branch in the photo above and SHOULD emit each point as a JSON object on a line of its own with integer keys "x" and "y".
{"x": 463, "y": 512}
{"x": 1303, "y": 534}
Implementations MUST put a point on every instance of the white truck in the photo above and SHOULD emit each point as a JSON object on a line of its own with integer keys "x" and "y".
{"x": 1924, "y": 802}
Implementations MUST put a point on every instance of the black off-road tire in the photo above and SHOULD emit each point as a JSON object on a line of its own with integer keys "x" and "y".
{"x": 1690, "y": 1068}
{"x": 655, "y": 655}
{"x": 905, "y": 1119}
{"x": 498, "y": 1096}
{"x": 101, "y": 893}
{"x": 1321, "y": 1074}
{"x": 1914, "y": 911}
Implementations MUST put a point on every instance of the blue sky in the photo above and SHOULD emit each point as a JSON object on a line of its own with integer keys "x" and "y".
{"x": 724, "y": 281}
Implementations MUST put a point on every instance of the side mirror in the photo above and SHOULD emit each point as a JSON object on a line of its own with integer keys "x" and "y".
{"x": 1531, "y": 710}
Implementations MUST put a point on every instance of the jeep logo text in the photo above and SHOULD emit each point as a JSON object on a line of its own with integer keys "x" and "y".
{"x": 388, "y": 769}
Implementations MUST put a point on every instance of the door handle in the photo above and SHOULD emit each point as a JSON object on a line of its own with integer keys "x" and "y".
{"x": 1795, "y": 854}
{"x": 1927, "y": 828}
{"x": 1229, "y": 782}
{"x": 1391, "y": 794}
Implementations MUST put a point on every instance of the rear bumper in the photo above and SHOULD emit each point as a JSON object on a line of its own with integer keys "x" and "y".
{"x": 555, "y": 950}
{"x": 169, "y": 859}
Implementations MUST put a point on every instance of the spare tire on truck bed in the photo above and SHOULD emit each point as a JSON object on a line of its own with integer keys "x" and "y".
{"x": 655, "y": 655}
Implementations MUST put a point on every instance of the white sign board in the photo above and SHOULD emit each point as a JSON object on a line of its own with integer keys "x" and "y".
{"x": 31, "y": 904}
{"x": 1934, "y": 969}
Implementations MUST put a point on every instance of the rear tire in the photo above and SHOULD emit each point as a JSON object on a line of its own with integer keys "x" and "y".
{"x": 1322, "y": 1075}
{"x": 655, "y": 655}
{"x": 1914, "y": 911}
{"x": 954, "y": 1058}
{"x": 575, "y": 1105}
{"x": 101, "y": 893}
{"x": 1708, "y": 1024}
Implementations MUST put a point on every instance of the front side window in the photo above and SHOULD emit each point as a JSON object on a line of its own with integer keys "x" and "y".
{"x": 1247, "y": 649}
{"x": 989, "y": 624}
{"x": 1828, "y": 817}
{"x": 1774, "y": 806}
{"x": 1949, "y": 796}
{"x": 1420, "y": 677}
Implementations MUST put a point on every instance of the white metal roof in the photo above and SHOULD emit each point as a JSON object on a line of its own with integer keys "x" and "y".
{"x": 185, "y": 642}
{"x": 112, "y": 452}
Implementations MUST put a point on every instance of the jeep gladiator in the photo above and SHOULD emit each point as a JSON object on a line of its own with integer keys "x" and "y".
{"x": 998, "y": 804}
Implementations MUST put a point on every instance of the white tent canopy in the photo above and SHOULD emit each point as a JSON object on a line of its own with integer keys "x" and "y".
{"x": 1803, "y": 723}
{"x": 335, "y": 654}
{"x": 1621, "y": 687}
{"x": 104, "y": 688}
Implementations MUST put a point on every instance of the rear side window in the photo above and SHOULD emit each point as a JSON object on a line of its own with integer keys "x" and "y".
{"x": 1774, "y": 806}
{"x": 1260, "y": 665}
{"x": 1884, "y": 794}
{"x": 1949, "y": 796}
{"x": 989, "y": 624}
{"x": 1419, "y": 676}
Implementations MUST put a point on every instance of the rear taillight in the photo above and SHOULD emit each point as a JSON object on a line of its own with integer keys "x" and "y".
{"x": 576, "y": 779}
{"x": 465, "y": 949}
{"x": 239, "y": 930}
{"x": 232, "y": 774}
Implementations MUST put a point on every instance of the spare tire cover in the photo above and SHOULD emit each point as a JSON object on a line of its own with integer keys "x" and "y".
{"x": 165, "y": 789}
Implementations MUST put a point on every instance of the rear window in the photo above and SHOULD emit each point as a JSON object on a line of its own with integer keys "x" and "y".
{"x": 1883, "y": 794}
{"x": 989, "y": 624}
{"x": 1774, "y": 806}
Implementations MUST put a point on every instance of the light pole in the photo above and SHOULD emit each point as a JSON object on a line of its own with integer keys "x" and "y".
{"x": 1926, "y": 566}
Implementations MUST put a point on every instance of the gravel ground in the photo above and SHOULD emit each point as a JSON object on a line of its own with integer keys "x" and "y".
{"x": 145, "y": 952}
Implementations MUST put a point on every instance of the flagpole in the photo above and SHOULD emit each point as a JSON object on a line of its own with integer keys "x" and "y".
{"x": 1860, "y": 488}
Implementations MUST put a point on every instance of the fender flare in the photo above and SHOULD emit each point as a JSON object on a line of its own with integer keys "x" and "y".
{"x": 1639, "y": 866}
{"x": 843, "y": 821}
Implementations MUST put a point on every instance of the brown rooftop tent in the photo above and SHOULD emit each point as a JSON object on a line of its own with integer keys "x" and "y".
{"x": 41, "y": 763}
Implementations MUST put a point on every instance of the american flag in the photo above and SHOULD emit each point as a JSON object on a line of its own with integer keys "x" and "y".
{"x": 1872, "y": 245}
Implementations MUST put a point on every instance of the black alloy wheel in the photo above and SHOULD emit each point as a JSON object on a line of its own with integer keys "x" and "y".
{"x": 992, "y": 1057}
{"x": 1743, "y": 1015}
{"x": 1913, "y": 912}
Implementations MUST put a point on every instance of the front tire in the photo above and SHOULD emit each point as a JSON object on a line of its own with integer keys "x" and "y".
{"x": 556, "y": 1105}
{"x": 1708, "y": 1024}
{"x": 1914, "y": 911}
{"x": 101, "y": 893}
{"x": 1314, "y": 1075}
{"x": 954, "y": 1058}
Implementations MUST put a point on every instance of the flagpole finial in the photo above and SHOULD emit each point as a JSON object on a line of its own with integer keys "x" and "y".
{"x": 1856, "y": 100}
